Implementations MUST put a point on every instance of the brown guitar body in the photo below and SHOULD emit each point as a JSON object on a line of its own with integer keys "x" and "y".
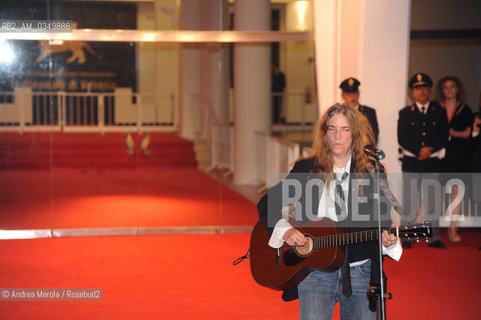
{"x": 284, "y": 268}
{"x": 293, "y": 264}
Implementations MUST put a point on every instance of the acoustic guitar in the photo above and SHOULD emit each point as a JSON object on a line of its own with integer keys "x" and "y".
{"x": 284, "y": 268}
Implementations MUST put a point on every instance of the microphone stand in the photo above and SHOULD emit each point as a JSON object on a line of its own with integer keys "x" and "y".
{"x": 378, "y": 155}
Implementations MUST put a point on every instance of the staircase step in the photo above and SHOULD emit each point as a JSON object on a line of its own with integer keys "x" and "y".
{"x": 87, "y": 150}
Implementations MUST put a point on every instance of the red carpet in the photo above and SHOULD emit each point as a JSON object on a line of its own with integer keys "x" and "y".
{"x": 55, "y": 180}
{"x": 44, "y": 150}
{"x": 144, "y": 197}
{"x": 192, "y": 277}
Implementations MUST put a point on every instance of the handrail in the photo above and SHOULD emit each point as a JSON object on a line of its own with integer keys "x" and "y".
{"x": 282, "y": 141}
{"x": 222, "y": 148}
{"x": 275, "y": 156}
{"x": 118, "y": 111}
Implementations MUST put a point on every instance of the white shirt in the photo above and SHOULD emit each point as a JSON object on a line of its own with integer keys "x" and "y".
{"x": 327, "y": 209}
{"x": 422, "y": 105}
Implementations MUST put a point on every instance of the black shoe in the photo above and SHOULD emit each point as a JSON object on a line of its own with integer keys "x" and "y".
{"x": 437, "y": 244}
{"x": 406, "y": 243}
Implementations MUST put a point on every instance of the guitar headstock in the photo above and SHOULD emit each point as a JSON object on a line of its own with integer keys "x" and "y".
{"x": 420, "y": 230}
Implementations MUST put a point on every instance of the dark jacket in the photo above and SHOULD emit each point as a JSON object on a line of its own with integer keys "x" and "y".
{"x": 416, "y": 130}
{"x": 370, "y": 114}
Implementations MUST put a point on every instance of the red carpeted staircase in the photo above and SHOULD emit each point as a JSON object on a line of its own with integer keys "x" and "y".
{"x": 87, "y": 180}
{"x": 91, "y": 150}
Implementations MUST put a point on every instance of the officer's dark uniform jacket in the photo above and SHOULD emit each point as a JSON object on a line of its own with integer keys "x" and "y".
{"x": 416, "y": 130}
{"x": 370, "y": 114}
{"x": 270, "y": 206}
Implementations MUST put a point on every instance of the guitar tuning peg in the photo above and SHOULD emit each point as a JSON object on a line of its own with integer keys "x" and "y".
{"x": 417, "y": 240}
{"x": 427, "y": 240}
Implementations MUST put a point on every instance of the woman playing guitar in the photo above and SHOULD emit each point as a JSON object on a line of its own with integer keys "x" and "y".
{"x": 332, "y": 184}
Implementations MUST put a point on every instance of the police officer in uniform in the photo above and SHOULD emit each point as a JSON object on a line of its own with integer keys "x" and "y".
{"x": 423, "y": 132}
{"x": 350, "y": 95}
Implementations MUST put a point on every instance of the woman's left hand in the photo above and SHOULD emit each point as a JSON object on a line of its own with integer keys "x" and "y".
{"x": 388, "y": 239}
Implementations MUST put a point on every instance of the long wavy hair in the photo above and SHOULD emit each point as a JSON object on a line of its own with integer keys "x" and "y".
{"x": 460, "y": 96}
{"x": 361, "y": 134}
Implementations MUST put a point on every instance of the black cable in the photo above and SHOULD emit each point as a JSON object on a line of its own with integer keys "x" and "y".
{"x": 240, "y": 259}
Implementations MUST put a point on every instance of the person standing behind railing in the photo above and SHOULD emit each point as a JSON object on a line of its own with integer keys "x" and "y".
{"x": 350, "y": 95}
{"x": 451, "y": 96}
{"x": 278, "y": 85}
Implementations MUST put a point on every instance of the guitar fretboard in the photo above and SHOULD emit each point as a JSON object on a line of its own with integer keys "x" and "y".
{"x": 345, "y": 238}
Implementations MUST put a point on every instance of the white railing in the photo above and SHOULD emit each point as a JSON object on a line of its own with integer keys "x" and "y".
{"x": 208, "y": 121}
{"x": 299, "y": 110}
{"x": 274, "y": 157}
{"x": 219, "y": 137}
{"x": 306, "y": 151}
{"x": 119, "y": 111}
{"x": 222, "y": 148}
{"x": 203, "y": 117}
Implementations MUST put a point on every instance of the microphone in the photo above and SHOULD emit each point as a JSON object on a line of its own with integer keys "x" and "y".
{"x": 373, "y": 152}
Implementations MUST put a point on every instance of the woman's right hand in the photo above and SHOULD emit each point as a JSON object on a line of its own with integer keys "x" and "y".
{"x": 294, "y": 238}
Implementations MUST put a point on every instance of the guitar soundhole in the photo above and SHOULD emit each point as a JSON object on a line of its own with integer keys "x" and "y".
{"x": 297, "y": 255}
{"x": 306, "y": 249}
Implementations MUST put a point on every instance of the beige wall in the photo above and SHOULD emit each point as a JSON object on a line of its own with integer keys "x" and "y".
{"x": 367, "y": 40}
{"x": 157, "y": 63}
{"x": 350, "y": 32}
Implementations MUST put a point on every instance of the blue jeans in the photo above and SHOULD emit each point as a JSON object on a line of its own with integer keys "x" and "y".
{"x": 320, "y": 291}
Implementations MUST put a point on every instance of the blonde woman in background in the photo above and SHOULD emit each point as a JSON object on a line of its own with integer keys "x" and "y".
{"x": 451, "y": 96}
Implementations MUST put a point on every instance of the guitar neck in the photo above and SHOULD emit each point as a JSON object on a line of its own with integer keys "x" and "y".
{"x": 344, "y": 239}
